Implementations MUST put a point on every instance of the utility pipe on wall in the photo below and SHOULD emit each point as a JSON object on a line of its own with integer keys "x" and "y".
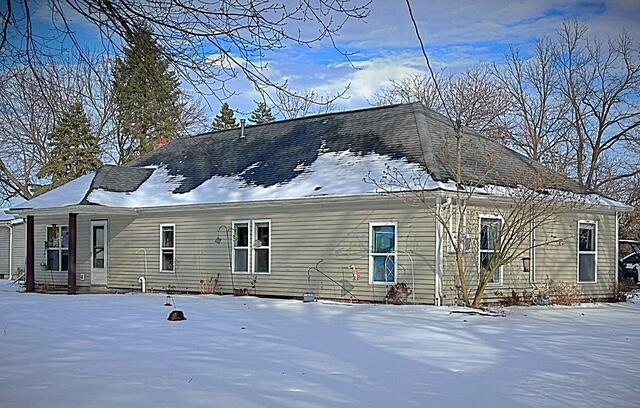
{"x": 143, "y": 282}
{"x": 10, "y": 249}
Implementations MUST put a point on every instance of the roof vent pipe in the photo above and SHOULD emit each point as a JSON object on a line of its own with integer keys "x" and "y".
{"x": 242, "y": 128}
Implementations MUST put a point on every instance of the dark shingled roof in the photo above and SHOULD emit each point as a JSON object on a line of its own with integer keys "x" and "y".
{"x": 278, "y": 152}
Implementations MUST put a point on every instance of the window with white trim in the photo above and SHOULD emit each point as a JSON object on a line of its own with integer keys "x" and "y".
{"x": 167, "y": 248}
{"x": 57, "y": 248}
{"x": 240, "y": 247}
{"x": 261, "y": 247}
{"x": 489, "y": 242}
{"x": 383, "y": 241}
{"x": 251, "y": 247}
{"x": 587, "y": 251}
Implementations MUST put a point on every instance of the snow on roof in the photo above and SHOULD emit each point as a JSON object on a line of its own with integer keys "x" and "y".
{"x": 68, "y": 194}
{"x": 331, "y": 174}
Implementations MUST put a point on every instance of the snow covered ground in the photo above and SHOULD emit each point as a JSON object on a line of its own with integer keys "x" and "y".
{"x": 120, "y": 351}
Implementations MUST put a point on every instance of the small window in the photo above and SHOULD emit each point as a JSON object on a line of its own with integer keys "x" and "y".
{"x": 587, "y": 252}
{"x": 167, "y": 248}
{"x": 240, "y": 247}
{"x": 57, "y": 246}
{"x": 489, "y": 245}
{"x": 261, "y": 247}
{"x": 383, "y": 239}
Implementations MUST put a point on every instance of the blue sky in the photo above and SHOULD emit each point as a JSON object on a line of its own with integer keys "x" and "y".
{"x": 457, "y": 33}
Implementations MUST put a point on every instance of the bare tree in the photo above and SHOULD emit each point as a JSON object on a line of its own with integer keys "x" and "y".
{"x": 470, "y": 96}
{"x": 294, "y": 104}
{"x": 208, "y": 42}
{"x": 601, "y": 83}
{"x": 537, "y": 110}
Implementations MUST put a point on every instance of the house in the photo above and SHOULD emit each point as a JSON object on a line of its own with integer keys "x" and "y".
{"x": 289, "y": 207}
{"x": 12, "y": 246}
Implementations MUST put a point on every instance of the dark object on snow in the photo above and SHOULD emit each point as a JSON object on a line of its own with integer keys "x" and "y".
{"x": 176, "y": 316}
{"x": 399, "y": 293}
{"x": 167, "y": 301}
{"x": 240, "y": 292}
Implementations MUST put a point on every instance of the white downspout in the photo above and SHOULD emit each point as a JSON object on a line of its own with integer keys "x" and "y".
{"x": 10, "y": 249}
{"x": 143, "y": 279}
{"x": 439, "y": 253}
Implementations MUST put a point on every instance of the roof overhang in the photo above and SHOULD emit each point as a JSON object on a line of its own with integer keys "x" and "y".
{"x": 75, "y": 209}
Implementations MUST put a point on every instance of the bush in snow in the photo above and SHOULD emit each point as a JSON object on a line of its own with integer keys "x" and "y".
{"x": 562, "y": 293}
{"x": 622, "y": 290}
{"x": 515, "y": 298}
{"x": 398, "y": 294}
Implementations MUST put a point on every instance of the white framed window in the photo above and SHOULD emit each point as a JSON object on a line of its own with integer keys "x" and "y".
{"x": 251, "y": 247}
{"x": 241, "y": 241}
{"x": 167, "y": 247}
{"x": 383, "y": 252}
{"x": 587, "y": 251}
{"x": 57, "y": 248}
{"x": 261, "y": 246}
{"x": 490, "y": 227}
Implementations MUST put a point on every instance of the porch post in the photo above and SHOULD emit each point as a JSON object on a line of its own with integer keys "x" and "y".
{"x": 73, "y": 234}
{"x": 30, "y": 279}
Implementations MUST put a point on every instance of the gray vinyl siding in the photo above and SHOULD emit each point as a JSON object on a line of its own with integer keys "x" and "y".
{"x": 301, "y": 235}
{"x": 561, "y": 261}
{"x": 556, "y": 261}
{"x": 4, "y": 251}
{"x": 45, "y": 277}
{"x": 19, "y": 249}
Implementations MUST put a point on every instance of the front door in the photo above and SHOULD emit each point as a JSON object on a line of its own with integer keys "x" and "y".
{"x": 99, "y": 252}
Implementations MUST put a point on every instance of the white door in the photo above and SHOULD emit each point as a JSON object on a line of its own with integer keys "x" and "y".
{"x": 99, "y": 252}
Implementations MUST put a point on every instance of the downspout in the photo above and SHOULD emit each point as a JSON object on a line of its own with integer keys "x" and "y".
{"x": 617, "y": 248}
{"x": 10, "y": 248}
{"x": 439, "y": 298}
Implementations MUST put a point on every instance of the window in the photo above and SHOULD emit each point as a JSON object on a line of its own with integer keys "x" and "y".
{"x": 251, "y": 247}
{"x": 489, "y": 241}
{"x": 167, "y": 248}
{"x": 57, "y": 246}
{"x": 240, "y": 247}
{"x": 587, "y": 252}
{"x": 261, "y": 247}
{"x": 383, "y": 239}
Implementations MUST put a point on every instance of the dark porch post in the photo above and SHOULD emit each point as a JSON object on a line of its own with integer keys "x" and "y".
{"x": 73, "y": 234}
{"x": 30, "y": 280}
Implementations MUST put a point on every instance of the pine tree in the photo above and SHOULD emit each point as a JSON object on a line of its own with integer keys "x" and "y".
{"x": 148, "y": 96}
{"x": 75, "y": 151}
{"x": 262, "y": 114}
{"x": 226, "y": 119}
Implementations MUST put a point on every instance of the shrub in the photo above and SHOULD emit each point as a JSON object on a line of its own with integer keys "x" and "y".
{"x": 210, "y": 286}
{"x": 516, "y": 299}
{"x": 622, "y": 289}
{"x": 563, "y": 293}
{"x": 399, "y": 293}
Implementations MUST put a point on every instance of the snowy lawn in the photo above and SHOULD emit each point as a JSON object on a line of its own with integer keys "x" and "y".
{"x": 120, "y": 351}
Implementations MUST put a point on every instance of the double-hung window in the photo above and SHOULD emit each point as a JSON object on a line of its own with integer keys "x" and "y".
{"x": 167, "y": 248}
{"x": 251, "y": 247}
{"x": 489, "y": 245}
{"x": 587, "y": 252}
{"x": 57, "y": 248}
{"x": 261, "y": 247}
{"x": 383, "y": 252}
{"x": 240, "y": 247}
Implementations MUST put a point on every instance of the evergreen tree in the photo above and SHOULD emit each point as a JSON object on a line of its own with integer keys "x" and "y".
{"x": 147, "y": 95}
{"x": 74, "y": 149}
{"x": 262, "y": 114}
{"x": 226, "y": 119}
